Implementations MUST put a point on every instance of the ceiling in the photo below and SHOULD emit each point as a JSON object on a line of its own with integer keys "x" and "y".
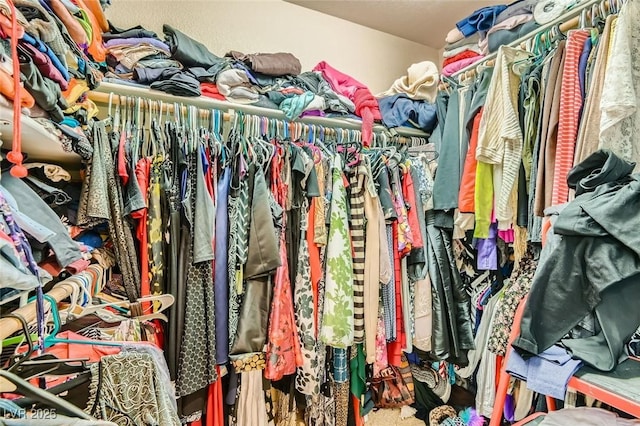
{"x": 423, "y": 21}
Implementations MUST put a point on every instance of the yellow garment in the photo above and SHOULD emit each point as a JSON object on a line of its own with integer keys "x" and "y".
{"x": 483, "y": 199}
{"x": 87, "y": 104}
{"x": 500, "y": 137}
{"x": 76, "y": 89}
{"x": 614, "y": 25}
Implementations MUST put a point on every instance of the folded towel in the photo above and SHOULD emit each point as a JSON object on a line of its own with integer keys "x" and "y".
{"x": 474, "y": 47}
{"x": 474, "y": 38}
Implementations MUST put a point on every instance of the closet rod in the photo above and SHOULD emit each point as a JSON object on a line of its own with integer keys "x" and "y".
{"x": 104, "y": 98}
{"x": 101, "y": 95}
{"x": 569, "y": 20}
{"x": 10, "y": 325}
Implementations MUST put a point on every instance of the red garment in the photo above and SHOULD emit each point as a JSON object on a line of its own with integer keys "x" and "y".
{"x": 210, "y": 90}
{"x": 394, "y": 349}
{"x": 366, "y": 104}
{"x": 460, "y": 56}
{"x": 314, "y": 262}
{"x": 466, "y": 196}
{"x": 409, "y": 195}
{"x": 359, "y": 421}
{"x": 214, "y": 414}
{"x": 142, "y": 171}
{"x": 367, "y": 107}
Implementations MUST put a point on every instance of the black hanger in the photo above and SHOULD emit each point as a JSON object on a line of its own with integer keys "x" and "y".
{"x": 51, "y": 365}
{"x": 56, "y": 390}
{"x": 25, "y": 388}
{"x": 18, "y": 359}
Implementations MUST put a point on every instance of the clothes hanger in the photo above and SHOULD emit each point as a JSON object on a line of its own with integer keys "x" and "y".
{"x": 12, "y": 383}
{"x": 165, "y": 301}
{"x": 50, "y": 365}
{"x": 18, "y": 359}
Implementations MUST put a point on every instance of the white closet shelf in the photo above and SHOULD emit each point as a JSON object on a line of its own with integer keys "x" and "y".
{"x": 209, "y": 103}
{"x": 37, "y": 142}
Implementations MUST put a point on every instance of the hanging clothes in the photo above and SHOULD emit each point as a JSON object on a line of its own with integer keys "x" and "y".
{"x": 337, "y": 318}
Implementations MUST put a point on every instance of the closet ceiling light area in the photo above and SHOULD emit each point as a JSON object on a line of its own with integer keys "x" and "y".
{"x": 422, "y": 21}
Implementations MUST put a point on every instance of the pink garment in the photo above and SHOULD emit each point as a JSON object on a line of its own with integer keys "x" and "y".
{"x": 457, "y": 66}
{"x": 75, "y": 350}
{"x": 366, "y": 104}
{"x": 507, "y": 24}
{"x": 506, "y": 235}
{"x": 78, "y": 266}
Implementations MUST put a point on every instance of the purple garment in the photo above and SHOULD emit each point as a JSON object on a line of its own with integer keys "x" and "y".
{"x": 488, "y": 250}
{"x": 312, "y": 113}
{"x": 23, "y": 248}
{"x": 38, "y": 44}
{"x": 221, "y": 274}
{"x": 547, "y": 373}
{"x": 136, "y": 41}
{"x": 582, "y": 67}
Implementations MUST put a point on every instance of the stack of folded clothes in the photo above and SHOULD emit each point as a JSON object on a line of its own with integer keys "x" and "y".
{"x": 463, "y": 42}
{"x": 182, "y": 66}
{"x": 60, "y": 48}
{"x": 512, "y": 23}
{"x": 410, "y": 101}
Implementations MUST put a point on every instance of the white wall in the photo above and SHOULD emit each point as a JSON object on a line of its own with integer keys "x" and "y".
{"x": 373, "y": 57}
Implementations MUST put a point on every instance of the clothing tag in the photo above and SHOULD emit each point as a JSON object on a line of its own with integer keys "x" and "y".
{"x": 239, "y": 286}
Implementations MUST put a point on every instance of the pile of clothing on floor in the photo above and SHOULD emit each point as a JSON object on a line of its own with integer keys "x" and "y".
{"x": 486, "y": 29}
{"x": 410, "y": 101}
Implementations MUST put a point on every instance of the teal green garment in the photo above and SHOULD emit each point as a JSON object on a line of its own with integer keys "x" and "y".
{"x": 294, "y": 106}
{"x": 358, "y": 374}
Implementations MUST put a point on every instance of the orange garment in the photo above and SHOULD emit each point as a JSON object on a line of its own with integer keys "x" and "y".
{"x": 96, "y": 48}
{"x": 210, "y": 90}
{"x": 546, "y": 225}
{"x": 5, "y": 25}
{"x": 6, "y": 88}
{"x": 466, "y": 196}
{"x": 75, "y": 90}
{"x": 75, "y": 30}
{"x": 314, "y": 262}
{"x": 359, "y": 421}
{"x": 96, "y": 9}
